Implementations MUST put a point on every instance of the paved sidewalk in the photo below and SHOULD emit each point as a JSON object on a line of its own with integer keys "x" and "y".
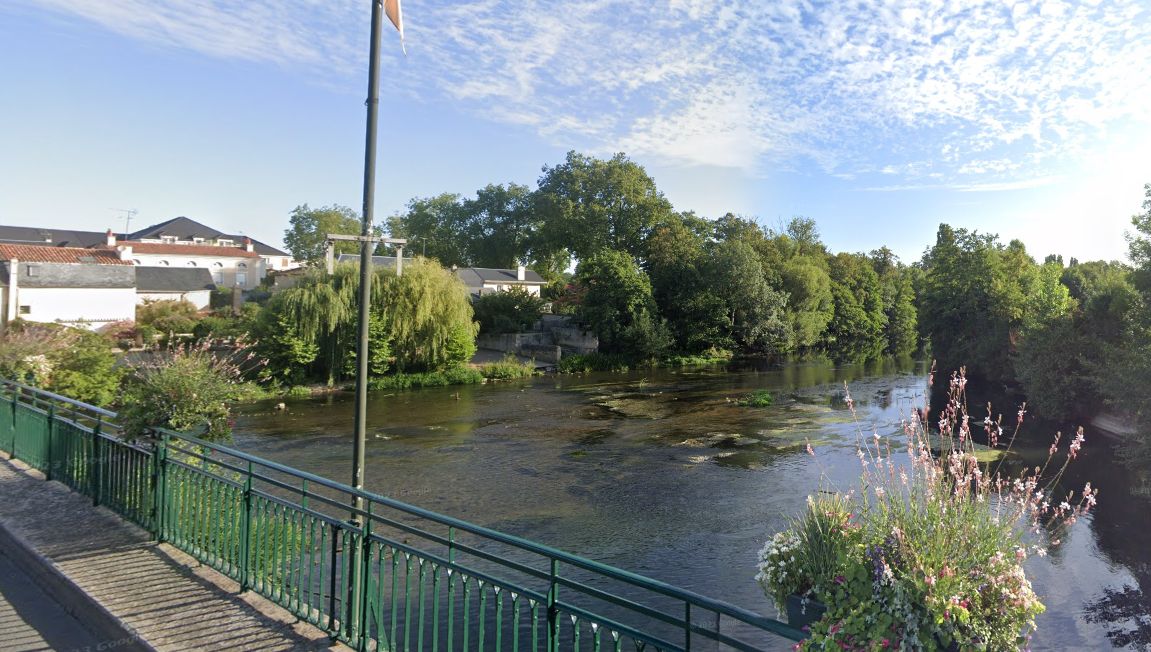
{"x": 31, "y": 621}
{"x": 157, "y": 595}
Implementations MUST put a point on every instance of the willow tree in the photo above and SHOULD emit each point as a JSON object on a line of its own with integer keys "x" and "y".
{"x": 427, "y": 315}
{"x": 421, "y": 320}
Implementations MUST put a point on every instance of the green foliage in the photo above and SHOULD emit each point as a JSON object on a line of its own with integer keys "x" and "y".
{"x": 758, "y": 399}
{"x": 428, "y": 316}
{"x": 185, "y": 388}
{"x": 419, "y": 321}
{"x": 858, "y": 323}
{"x": 168, "y": 316}
{"x": 444, "y": 378}
{"x": 436, "y": 227}
{"x": 619, "y": 306}
{"x": 509, "y": 311}
{"x": 752, "y": 312}
{"x": 587, "y": 363}
{"x": 508, "y": 368}
{"x": 589, "y": 205}
{"x": 74, "y": 362}
{"x": 306, "y": 236}
{"x": 86, "y": 370}
{"x": 929, "y": 551}
{"x": 811, "y": 304}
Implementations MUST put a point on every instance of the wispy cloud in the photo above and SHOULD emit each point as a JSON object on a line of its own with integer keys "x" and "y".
{"x": 978, "y": 96}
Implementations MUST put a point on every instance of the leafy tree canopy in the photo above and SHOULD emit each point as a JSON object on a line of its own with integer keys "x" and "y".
{"x": 306, "y": 236}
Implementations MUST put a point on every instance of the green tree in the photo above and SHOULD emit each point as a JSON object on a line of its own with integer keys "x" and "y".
{"x": 591, "y": 205}
{"x": 810, "y": 303}
{"x": 618, "y": 305}
{"x": 753, "y": 312}
{"x": 436, "y": 227}
{"x": 500, "y": 226}
{"x": 306, "y": 236}
{"x": 509, "y": 311}
{"x": 858, "y": 323}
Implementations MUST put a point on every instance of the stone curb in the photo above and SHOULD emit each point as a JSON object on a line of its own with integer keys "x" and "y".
{"x": 113, "y": 633}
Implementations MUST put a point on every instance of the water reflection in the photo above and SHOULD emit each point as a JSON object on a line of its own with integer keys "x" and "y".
{"x": 661, "y": 472}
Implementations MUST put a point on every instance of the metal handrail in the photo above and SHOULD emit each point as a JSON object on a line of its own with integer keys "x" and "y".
{"x": 250, "y": 466}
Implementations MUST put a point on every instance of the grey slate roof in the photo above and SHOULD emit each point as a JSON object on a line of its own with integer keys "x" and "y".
{"x": 50, "y": 237}
{"x": 377, "y": 261}
{"x": 489, "y": 275}
{"x": 70, "y": 275}
{"x": 184, "y": 228}
{"x": 173, "y": 279}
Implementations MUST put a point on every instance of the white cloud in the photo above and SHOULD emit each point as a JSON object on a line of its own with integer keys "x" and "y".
{"x": 917, "y": 88}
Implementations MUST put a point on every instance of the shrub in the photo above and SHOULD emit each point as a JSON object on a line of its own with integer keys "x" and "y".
{"x": 588, "y": 362}
{"x": 186, "y": 388}
{"x": 452, "y": 376}
{"x": 929, "y": 553}
{"x": 510, "y": 311}
{"x": 508, "y": 368}
{"x": 75, "y": 362}
{"x": 168, "y": 316}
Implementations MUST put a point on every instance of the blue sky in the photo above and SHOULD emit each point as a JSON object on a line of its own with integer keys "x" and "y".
{"x": 878, "y": 118}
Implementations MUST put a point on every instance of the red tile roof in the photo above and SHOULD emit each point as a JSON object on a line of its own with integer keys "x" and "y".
{"x": 77, "y": 255}
{"x": 187, "y": 250}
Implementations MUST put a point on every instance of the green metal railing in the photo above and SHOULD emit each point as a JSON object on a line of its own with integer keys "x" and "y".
{"x": 389, "y": 576}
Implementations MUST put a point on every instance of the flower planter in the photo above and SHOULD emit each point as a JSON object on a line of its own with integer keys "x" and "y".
{"x": 800, "y": 615}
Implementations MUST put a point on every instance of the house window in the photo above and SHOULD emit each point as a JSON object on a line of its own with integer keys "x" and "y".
{"x": 25, "y": 310}
{"x": 218, "y": 273}
{"x": 168, "y": 239}
{"x": 225, "y": 243}
{"x": 198, "y": 240}
{"x": 242, "y": 274}
{"x": 33, "y": 270}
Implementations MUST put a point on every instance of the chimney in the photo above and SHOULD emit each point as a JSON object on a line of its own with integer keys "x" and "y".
{"x": 13, "y": 311}
{"x": 248, "y": 246}
{"x": 520, "y": 273}
{"x": 110, "y": 238}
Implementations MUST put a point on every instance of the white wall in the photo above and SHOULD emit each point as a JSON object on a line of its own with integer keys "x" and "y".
{"x": 97, "y": 306}
{"x": 198, "y": 298}
{"x": 533, "y": 290}
{"x": 227, "y": 272}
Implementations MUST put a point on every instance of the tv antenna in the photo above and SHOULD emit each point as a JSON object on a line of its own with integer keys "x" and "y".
{"x": 129, "y": 213}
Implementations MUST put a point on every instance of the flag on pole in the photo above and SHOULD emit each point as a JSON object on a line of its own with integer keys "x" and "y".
{"x": 392, "y": 9}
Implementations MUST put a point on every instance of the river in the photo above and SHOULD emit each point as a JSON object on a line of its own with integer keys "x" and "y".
{"x": 661, "y": 473}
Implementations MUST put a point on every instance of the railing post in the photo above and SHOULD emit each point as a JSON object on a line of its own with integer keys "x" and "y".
{"x": 363, "y": 581}
{"x": 96, "y": 463}
{"x": 332, "y": 582}
{"x": 159, "y": 477}
{"x": 553, "y": 608}
{"x": 48, "y": 445}
{"x": 246, "y": 533}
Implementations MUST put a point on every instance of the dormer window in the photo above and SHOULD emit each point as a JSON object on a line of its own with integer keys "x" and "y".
{"x": 198, "y": 240}
{"x": 168, "y": 239}
{"x": 225, "y": 243}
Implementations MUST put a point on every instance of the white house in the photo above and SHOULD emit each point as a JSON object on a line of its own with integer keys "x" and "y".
{"x": 68, "y": 285}
{"x": 186, "y": 231}
{"x": 229, "y": 265}
{"x": 191, "y": 284}
{"x": 485, "y": 280}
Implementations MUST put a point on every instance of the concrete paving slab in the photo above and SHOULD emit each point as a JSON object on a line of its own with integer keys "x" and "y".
{"x": 164, "y": 599}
